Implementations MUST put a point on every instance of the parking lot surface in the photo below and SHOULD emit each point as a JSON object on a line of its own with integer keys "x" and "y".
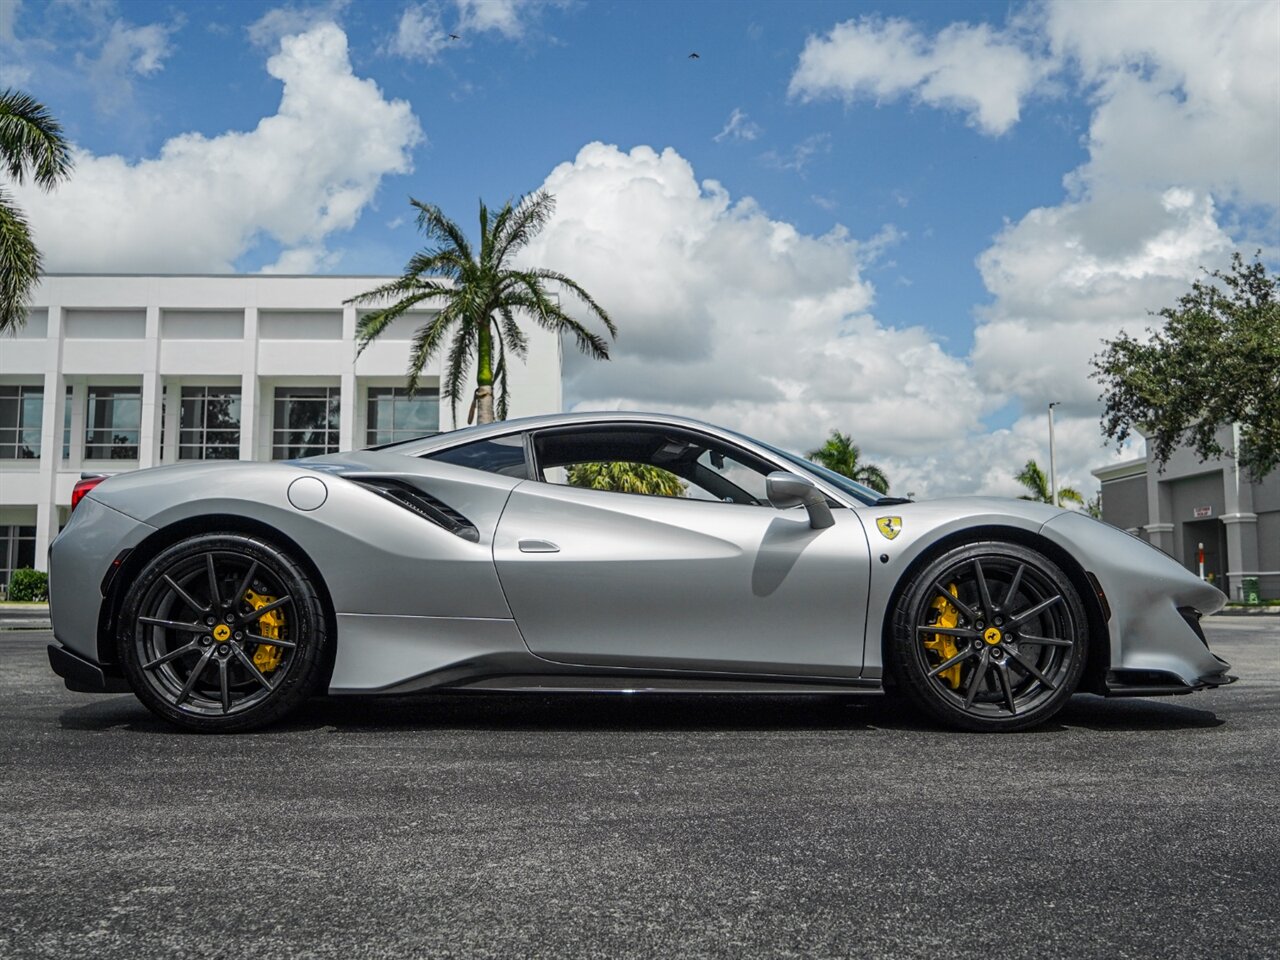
{"x": 614, "y": 826}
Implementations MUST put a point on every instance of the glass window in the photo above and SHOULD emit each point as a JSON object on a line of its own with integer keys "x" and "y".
{"x": 393, "y": 415}
{"x": 17, "y": 550}
{"x": 209, "y": 428}
{"x": 113, "y": 416}
{"x": 654, "y": 461}
{"x": 66, "y": 427}
{"x": 21, "y": 412}
{"x": 305, "y": 422}
{"x": 504, "y": 455}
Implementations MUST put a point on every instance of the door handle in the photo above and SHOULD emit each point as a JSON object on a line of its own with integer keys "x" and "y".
{"x": 538, "y": 546}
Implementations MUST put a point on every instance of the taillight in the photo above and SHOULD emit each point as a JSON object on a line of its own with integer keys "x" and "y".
{"x": 82, "y": 487}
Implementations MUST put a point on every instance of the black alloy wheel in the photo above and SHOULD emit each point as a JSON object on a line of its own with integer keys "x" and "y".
{"x": 989, "y": 636}
{"x": 222, "y": 632}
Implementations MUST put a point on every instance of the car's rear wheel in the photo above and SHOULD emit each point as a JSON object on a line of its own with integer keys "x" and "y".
{"x": 222, "y": 632}
{"x": 989, "y": 636}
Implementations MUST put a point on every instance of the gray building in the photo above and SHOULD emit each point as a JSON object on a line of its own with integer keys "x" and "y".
{"x": 1188, "y": 503}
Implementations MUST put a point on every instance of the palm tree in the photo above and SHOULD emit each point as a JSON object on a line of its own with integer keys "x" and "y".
{"x": 842, "y": 455}
{"x": 478, "y": 295}
{"x": 31, "y": 143}
{"x": 624, "y": 477}
{"x": 1037, "y": 484}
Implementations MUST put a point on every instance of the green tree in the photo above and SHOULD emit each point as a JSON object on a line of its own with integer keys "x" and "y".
{"x": 31, "y": 144}
{"x": 625, "y": 477}
{"x": 1216, "y": 360}
{"x": 842, "y": 455}
{"x": 478, "y": 296}
{"x": 1037, "y": 484}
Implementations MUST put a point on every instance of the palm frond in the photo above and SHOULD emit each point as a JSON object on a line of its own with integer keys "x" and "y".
{"x": 426, "y": 340}
{"x": 19, "y": 265}
{"x": 369, "y": 326}
{"x": 577, "y": 290}
{"x": 433, "y": 222}
{"x": 530, "y": 215}
{"x": 458, "y": 364}
{"x": 30, "y": 138}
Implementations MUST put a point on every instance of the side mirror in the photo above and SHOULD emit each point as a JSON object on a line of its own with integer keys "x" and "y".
{"x": 786, "y": 490}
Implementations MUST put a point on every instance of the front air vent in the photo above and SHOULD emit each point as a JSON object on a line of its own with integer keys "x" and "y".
{"x": 423, "y": 504}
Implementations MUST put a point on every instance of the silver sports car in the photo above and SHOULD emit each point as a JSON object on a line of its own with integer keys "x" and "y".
{"x": 223, "y": 594}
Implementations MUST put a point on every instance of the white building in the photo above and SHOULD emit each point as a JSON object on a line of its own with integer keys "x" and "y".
{"x": 116, "y": 372}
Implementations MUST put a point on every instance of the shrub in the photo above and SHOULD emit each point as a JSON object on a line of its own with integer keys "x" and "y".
{"x": 27, "y": 584}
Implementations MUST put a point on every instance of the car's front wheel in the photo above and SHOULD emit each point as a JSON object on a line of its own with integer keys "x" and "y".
{"x": 222, "y": 632}
{"x": 989, "y": 636}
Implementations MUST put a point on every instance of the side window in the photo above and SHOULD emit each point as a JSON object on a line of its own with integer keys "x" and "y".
{"x": 651, "y": 461}
{"x": 504, "y": 455}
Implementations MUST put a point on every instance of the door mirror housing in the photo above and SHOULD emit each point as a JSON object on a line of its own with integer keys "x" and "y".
{"x": 786, "y": 490}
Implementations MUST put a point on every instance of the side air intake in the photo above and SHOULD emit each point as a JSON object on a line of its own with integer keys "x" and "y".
{"x": 423, "y": 504}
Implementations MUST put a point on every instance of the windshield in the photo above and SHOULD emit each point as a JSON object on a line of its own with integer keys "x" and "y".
{"x": 854, "y": 489}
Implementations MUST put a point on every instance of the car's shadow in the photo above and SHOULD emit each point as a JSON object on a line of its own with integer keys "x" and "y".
{"x": 615, "y": 712}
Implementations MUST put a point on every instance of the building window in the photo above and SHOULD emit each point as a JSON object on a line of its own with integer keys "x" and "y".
{"x": 66, "y": 427}
{"x": 210, "y": 424}
{"x": 21, "y": 411}
{"x": 17, "y": 550}
{"x": 305, "y": 422}
{"x": 112, "y": 420}
{"x": 394, "y": 415}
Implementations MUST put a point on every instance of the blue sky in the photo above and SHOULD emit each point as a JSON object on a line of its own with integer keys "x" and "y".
{"x": 979, "y": 164}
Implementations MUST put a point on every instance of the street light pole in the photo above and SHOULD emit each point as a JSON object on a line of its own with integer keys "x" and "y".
{"x": 1053, "y": 471}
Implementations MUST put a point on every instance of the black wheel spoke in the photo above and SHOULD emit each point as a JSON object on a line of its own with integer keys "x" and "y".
{"x": 1014, "y": 584}
{"x": 975, "y": 681}
{"x": 1043, "y": 641}
{"x": 193, "y": 677}
{"x": 958, "y": 658}
{"x": 186, "y": 597}
{"x": 1033, "y": 670}
{"x": 214, "y": 598}
{"x": 260, "y": 612}
{"x": 949, "y": 631}
{"x": 1038, "y": 609}
{"x": 174, "y": 625}
{"x": 224, "y": 685}
{"x": 244, "y": 584}
{"x": 983, "y": 593}
{"x": 253, "y": 670}
{"x": 955, "y": 601}
{"x": 287, "y": 644}
{"x": 1002, "y": 674}
{"x": 171, "y": 655}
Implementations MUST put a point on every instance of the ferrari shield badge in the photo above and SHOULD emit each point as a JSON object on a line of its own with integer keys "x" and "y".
{"x": 889, "y": 526}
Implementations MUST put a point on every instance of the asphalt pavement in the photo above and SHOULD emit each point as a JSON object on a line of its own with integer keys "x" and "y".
{"x": 654, "y": 827}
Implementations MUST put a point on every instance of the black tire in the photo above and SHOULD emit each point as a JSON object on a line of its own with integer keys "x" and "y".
{"x": 222, "y": 633}
{"x": 1001, "y": 662}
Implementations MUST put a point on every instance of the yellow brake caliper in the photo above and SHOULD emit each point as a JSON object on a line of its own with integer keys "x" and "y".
{"x": 943, "y": 645}
{"x": 267, "y": 657}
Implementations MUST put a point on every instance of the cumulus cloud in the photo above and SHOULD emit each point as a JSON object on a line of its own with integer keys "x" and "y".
{"x": 503, "y": 16}
{"x": 125, "y": 51}
{"x": 420, "y": 34}
{"x": 204, "y": 201}
{"x": 736, "y": 317}
{"x": 280, "y": 22}
{"x": 738, "y": 127}
{"x": 983, "y": 72}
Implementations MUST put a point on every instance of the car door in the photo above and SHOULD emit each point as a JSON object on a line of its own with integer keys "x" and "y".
{"x": 595, "y": 577}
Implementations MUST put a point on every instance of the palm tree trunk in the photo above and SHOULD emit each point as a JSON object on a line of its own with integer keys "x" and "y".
{"x": 482, "y": 405}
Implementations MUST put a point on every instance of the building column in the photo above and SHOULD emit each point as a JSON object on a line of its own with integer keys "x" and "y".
{"x": 172, "y": 431}
{"x": 152, "y": 396}
{"x": 1242, "y": 550}
{"x": 347, "y": 399}
{"x": 249, "y": 388}
{"x": 55, "y": 402}
{"x": 1161, "y": 535}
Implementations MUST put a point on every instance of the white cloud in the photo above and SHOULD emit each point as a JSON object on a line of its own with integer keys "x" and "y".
{"x": 502, "y": 16}
{"x": 983, "y": 72}
{"x": 280, "y": 22}
{"x": 125, "y": 52}
{"x": 204, "y": 201}
{"x": 420, "y": 34}
{"x": 8, "y": 17}
{"x": 798, "y": 158}
{"x": 729, "y": 315}
{"x": 738, "y": 127}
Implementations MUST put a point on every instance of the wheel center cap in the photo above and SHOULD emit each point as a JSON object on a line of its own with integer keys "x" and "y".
{"x": 222, "y": 633}
{"x": 992, "y": 636}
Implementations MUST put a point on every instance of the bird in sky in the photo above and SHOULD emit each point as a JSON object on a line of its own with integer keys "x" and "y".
{"x": 694, "y": 56}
